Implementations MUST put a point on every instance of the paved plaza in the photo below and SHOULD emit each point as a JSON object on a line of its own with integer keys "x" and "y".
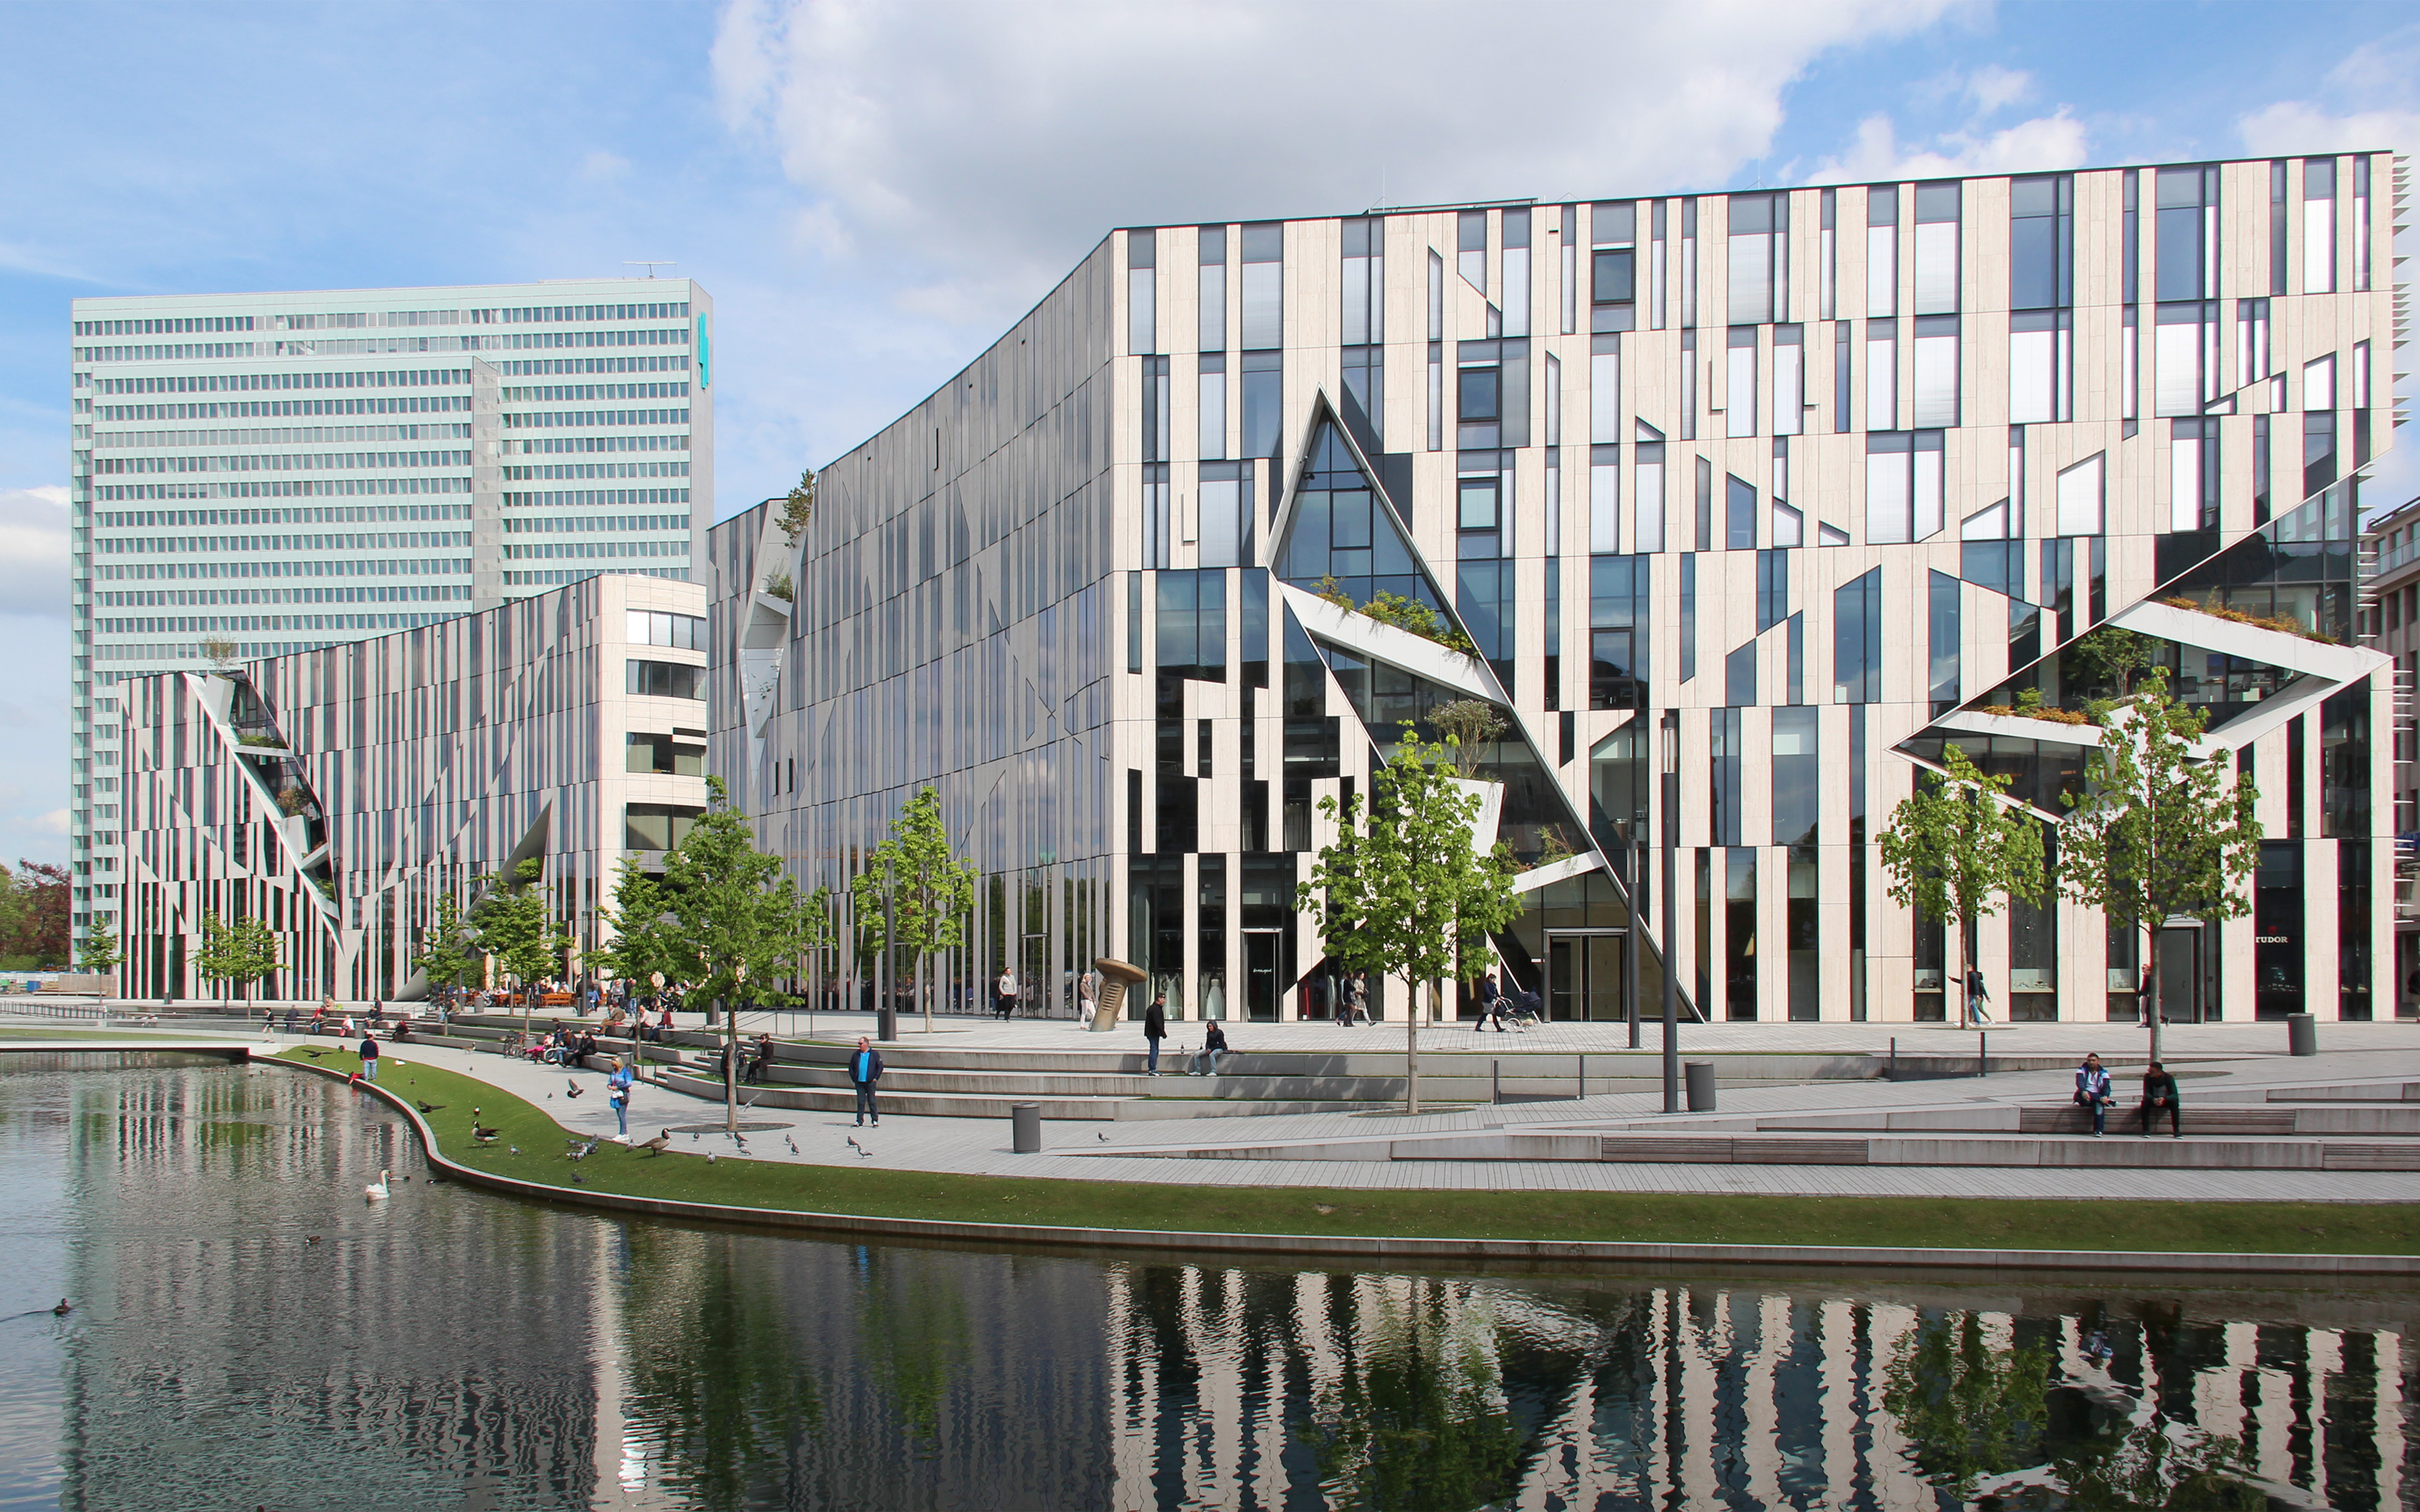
{"x": 2228, "y": 1063}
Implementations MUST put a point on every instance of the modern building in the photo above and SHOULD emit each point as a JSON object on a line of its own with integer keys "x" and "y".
{"x": 258, "y": 474}
{"x": 335, "y": 792}
{"x": 2391, "y": 563}
{"x": 1819, "y": 478}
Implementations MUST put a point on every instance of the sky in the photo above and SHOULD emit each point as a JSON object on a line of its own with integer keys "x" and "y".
{"x": 872, "y": 190}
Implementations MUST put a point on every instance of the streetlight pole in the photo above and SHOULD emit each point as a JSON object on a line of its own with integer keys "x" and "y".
{"x": 1670, "y": 744}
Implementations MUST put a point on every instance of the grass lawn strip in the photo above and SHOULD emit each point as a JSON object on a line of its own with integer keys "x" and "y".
{"x": 1621, "y": 1217}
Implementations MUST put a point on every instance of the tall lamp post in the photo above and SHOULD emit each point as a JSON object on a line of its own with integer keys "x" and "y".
{"x": 1670, "y": 742}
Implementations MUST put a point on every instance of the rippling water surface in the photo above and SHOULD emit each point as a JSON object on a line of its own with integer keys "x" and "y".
{"x": 249, "y": 1331}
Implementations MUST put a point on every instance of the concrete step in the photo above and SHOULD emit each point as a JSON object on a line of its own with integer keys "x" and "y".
{"x": 997, "y": 1104}
{"x": 2053, "y": 1151}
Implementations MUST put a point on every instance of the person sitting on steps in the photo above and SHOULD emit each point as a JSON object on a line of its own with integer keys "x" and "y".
{"x": 2158, "y": 1096}
{"x": 1213, "y": 1048}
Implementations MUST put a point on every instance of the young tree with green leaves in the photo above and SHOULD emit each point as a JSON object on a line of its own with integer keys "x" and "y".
{"x": 931, "y": 893}
{"x": 446, "y": 958}
{"x": 513, "y": 922}
{"x": 2159, "y": 832}
{"x": 100, "y": 955}
{"x": 1400, "y": 892}
{"x": 738, "y": 923}
{"x": 2112, "y": 657}
{"x": 1957, "y": 848}
{"x": 239, "y": 954}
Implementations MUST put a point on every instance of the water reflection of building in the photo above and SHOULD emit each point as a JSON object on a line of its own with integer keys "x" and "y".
{"x": 1229, "y": 1382}
{"x": 392, "y": 1363}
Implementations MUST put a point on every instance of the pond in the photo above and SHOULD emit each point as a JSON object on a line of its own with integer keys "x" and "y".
{"x": 248, "y": 1331}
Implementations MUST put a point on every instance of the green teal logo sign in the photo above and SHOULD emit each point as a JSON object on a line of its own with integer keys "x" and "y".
{"x": 705, "y": 356}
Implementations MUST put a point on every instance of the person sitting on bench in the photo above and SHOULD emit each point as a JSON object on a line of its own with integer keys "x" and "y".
{"x": 2160, "y": 1095}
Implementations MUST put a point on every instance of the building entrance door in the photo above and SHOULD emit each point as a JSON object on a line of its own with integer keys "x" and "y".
{"x": 1584, "y": 974}
{"x": 1260, "y": 984}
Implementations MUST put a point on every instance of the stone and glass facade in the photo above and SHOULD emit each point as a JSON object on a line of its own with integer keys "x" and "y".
{"x": 1825, "y": 477}
{"x": 336, "y": 793}
{"x": 280, "y": 471}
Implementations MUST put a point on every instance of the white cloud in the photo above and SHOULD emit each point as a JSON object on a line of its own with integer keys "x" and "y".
{"x": 993, "y": 144}
{"x": 52, "y": 823}
{"x": 34, "y": 552}
{"x": 1992, "y": 87}
{"x": 2368, "y": 100}
{"x": 2035, "y": 146}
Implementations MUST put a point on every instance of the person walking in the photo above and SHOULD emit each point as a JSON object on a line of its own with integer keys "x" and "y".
{"x": 1214, "y": 1049}
{"x": 2160, "y": 1096}
{"x": 864, "y": 1072}
{"x": 1356, "y": 998}
{"x": 369, "y": 1056}
{"x": 2092, "y": 1091}
{"x": 1004, "y": 995}
{"x": 1491, "y": 1005}
{"x": 1979, "y": 998}
{"x": 1154, "y": 1028}
{"x": 617, "y": 1091}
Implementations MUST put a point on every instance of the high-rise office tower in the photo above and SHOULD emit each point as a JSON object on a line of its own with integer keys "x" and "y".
{"x": 262, "y": 473}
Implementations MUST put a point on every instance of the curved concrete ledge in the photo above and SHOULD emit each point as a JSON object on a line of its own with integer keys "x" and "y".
{"x": 1533, "y": 1254}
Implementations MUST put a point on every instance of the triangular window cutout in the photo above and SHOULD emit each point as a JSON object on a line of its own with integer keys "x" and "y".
{"x": 1341, "y": 527}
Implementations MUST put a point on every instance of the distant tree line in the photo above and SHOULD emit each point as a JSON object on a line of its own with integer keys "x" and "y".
{"x": 33, "y": 917}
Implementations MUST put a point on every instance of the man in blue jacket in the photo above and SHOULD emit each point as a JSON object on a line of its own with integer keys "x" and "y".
{"x": 864, "y": 1070}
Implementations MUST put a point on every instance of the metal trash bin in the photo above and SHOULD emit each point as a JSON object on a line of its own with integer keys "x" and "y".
{"x": 1025, "y": 1120}
{"x": 1700, "y": 1075}
{"x": 2302, "y": 1034}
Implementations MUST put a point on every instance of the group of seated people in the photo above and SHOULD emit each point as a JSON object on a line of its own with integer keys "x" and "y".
{"x": 562, "y": 1046}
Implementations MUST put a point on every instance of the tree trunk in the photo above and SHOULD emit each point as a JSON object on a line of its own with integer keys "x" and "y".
{"x": 2151, "y": 989}
{"x": 730, "y": 1073}
{"x": 1966, "y": 953}
{"x": 1412, "y": 1053}
{"x": 924, "y": 994}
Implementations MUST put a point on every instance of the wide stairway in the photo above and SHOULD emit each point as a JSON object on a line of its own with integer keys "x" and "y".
{"x": 1077, "y": 1081}
{"x": 2370, "y": 1126}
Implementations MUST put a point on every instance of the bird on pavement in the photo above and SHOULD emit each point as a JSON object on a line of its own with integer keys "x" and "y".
{"x": 1102, "y": 1137}
{"x": 656, "y": 1145}
{"x": 694, "y": 1137}
{"x": 575, "y": 1090}
{"x": 792, "y": 1143}
{"x": 859, "y": 1149}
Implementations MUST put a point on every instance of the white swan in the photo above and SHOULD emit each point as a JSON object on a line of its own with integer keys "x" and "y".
{"x": 376, "y": 1191}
